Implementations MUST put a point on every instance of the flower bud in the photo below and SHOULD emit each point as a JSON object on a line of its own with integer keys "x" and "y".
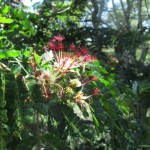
{"x": 68, "y": 91}
{"x": 75, "y": 83}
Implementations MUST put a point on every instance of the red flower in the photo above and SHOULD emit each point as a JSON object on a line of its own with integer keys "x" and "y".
{"x": 78, "y": 53}
{"x": 33, "y": 65}
{"x": 73, "y": 47}
{"x": 59, "y": 38}
{"x": 96, "y": 92}
{"x": 60, "y": 46}
{"x": 84, "y": 51}
{"x": 52, "y": 45}
{"x": 88, "y": 58}
{"x": 94, "y": 78}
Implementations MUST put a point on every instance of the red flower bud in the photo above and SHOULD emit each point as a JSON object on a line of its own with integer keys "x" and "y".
{"x": 59, "y": 38}
{"x": 33, "y": 65}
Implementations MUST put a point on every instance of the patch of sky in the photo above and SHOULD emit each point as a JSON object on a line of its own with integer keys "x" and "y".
{"x": 30, "y": 3}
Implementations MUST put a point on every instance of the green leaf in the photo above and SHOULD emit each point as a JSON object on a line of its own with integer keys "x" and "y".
{"x": 3, "y": 115}
{"x": 63, "y": 18}
{"x": 54, "y": 109}
{"x": 103, "y": 70}
{"x": 2, "y": 37}
{"x": 28, "y": 142}
{"x": 10, "y": 92}
{"x": 106, "y": 83}
{"x": 5, "y": 9}
{"x": 95, "y": 121}
{"x": 26, "y": 33}
{"x": 19, "y": 122}
{"x": 37, "y": 58}
{"x": 26, "y": 53}
{"x": 9, "y": 53}
{"x": 35, "y": 90}
{"x": 42, "y": 108}
{"x": 55, "y": 142}
{"x": 2, "y": 144}
{"x": 5, "y": 20}
{"x": 78, "y": 124}
{"x": 16, "y": 26}
{"x": 99, "y": 113}
{"x": 47, "y": 14}
{"x": 26, "y": 23}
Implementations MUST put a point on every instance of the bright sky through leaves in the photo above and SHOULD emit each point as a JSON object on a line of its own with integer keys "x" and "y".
{"x": 30, "y": 2}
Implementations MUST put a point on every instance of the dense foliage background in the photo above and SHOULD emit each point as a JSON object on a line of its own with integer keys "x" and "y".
{"x": 117, "y": 35}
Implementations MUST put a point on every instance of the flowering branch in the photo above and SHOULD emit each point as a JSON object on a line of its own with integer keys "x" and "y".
{"x": 58, "y": 76}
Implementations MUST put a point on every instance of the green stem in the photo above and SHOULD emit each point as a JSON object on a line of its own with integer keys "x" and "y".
{"x": 18, "y": 61}
{"x": 38, "y": 131}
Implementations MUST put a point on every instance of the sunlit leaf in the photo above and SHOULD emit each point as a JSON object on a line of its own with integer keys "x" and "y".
{"x": 2, "y": 37}
{"x": 27, "y": 53}
{"x": 9, "y": 53}
{"x": 103, "y": 70}
{"x": 5, "y": 9}
{"x": 5, "y": 20}
{"x": 26, "y": 33}
{"x": 104, "y": 82}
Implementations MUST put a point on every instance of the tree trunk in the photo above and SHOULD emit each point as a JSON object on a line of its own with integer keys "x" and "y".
{"x": 95, "y": 19}
{"x": 139, "y": 6}
{"x": 126, "y": 12}
{"x": 117, "y": 22}
{"x": 147, "y": 8}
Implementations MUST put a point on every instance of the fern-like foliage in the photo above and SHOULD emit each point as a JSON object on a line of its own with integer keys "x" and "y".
{"x": 3, "y": 112}
{"x": 7, "y": 107}
{"x": 70, "y": 123}
{"x": 109, "y": 111}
